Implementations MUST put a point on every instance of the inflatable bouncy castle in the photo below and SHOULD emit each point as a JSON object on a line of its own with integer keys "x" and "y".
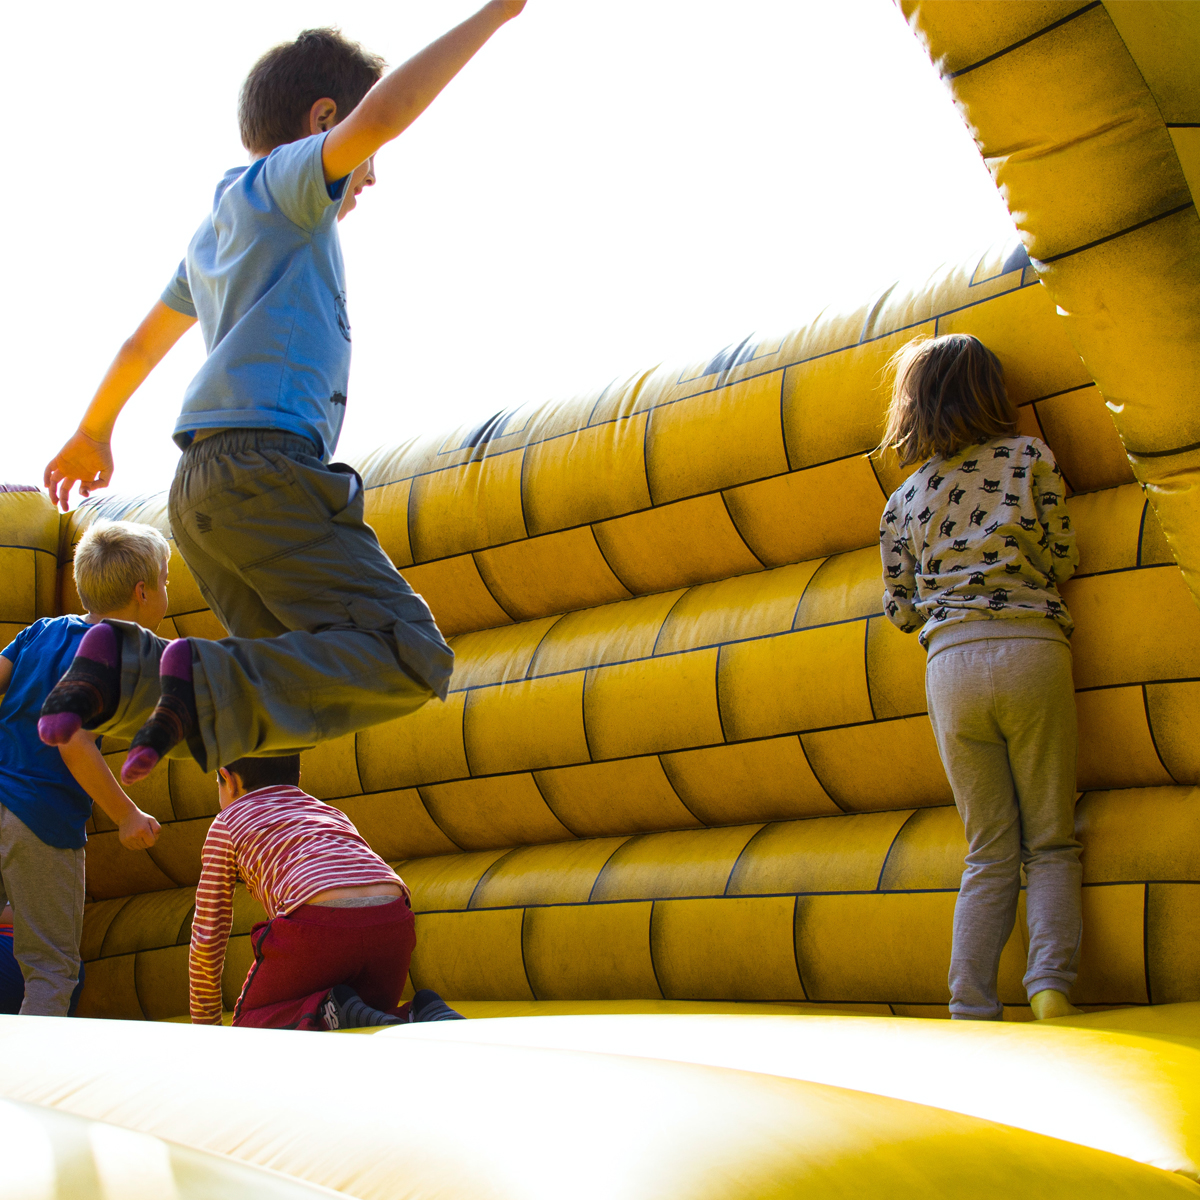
{"x": 679, "y": 838}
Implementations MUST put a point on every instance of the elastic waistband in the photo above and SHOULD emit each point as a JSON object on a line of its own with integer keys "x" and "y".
{"x": 355, "y": 902}
{"x": 378, "y": 914}
{"x": 235, "y": 441}
{"x": 959, "y": 633}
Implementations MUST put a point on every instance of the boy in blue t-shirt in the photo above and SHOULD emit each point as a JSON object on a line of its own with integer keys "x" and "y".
{"x": 328, "y": 638}
{"x": 46, "y": 795}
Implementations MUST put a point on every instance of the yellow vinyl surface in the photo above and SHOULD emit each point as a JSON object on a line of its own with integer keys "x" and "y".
{"x": 50, "y": 1155}
{"x": 683, "y": 800}
{"x": 387, "y": 1118}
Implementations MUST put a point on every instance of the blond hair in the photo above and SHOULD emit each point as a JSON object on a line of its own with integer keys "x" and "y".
{"x": 112, "y": 558}
{"x": 948, "y": 393}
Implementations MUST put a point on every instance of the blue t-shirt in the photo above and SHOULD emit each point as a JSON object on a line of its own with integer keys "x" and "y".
{"x": 264, "y": 275}
{"x": 34, "y": 781}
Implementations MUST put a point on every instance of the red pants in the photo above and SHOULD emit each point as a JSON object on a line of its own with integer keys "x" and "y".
{"x": 299, "y": 957}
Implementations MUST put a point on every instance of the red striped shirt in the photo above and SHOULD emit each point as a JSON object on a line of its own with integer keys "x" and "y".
{"x": 287, "y": 847}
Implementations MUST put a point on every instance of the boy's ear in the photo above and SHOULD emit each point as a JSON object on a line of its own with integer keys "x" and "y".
{"x": 322, "y": 116}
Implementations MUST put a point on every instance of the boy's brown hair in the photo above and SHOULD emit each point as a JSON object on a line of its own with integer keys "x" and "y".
{"x": 289, "y": 79}
{"x": 112, "y": 558}
{"x": 948, "y": 393}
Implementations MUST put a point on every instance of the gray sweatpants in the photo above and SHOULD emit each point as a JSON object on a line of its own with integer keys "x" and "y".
{"x": 1003, "y": 713}
{"x": 45, "y": 887}
{"x": 328, "y": 638}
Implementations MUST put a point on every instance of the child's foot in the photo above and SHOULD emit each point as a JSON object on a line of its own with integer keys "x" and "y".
{"x": 173, "y": 718}
{"x": 1048, "y": 1004}
{"x": 90, "y": 688}
{"x": 344, "y": 1008}
{"x": 429, "y": 1006}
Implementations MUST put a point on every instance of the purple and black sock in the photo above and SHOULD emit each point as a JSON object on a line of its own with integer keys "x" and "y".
{"x": 174, "y": 716}
{"x": 90, "y": 689}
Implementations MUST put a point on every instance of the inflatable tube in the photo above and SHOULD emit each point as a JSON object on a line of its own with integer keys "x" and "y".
{"x": 391, "y": 1118}
{"x": 48, "y": 1155}
{"x": 1127, "y": 1093}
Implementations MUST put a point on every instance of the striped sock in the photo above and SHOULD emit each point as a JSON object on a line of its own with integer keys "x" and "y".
{"x": 174, "y": 716}
{"x": 344, "y": 1008}
{"x": 427, "y": 1005}
{"x": 90, "y": 689}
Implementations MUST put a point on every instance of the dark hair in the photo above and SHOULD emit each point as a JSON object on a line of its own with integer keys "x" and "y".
{"x": 258, "y": 773}
{"x": 948, "y": 394}
{"x": 289, "y": 79}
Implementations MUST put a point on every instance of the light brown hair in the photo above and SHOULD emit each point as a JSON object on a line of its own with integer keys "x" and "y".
{"x": 289, "y": 79}
{"x": 112, "y": 558}
{"x": 948, "y": 393}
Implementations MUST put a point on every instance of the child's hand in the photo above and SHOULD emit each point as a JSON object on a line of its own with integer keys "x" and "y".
{"x": 83, "y": 461}
{"x": 139, "y": 831}
{"x": 510, "y": 8}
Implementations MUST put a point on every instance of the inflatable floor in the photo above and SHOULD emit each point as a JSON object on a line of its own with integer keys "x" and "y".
{"x": 679, "y": 838}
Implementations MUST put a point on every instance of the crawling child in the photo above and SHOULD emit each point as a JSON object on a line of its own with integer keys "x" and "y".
{"x": 974, "y": 546}
{"x": 335, "y": 950}
{"x": 46, "y": 794}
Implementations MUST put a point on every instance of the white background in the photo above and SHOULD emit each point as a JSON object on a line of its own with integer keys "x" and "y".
{"x": 606, "y": 186}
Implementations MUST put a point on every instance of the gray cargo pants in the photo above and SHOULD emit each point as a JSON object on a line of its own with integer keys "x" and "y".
{"x": 1003, "y": 713}
{"x": 45, "y": 887}
{"x": 328, "y": 638}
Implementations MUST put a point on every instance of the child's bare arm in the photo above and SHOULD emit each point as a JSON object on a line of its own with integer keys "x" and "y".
{"x": 135, "y": 829}
{"x": 400, "y": 97}
{"x": 6, "y": 669}
{"x": 86, "y": 459}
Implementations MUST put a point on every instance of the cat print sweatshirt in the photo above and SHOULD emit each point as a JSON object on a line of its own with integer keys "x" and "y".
{"x": 982, "y": 536}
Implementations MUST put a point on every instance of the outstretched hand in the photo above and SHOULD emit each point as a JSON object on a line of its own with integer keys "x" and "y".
{"x": 511, "y": 8}
{"x": 83, "y": 461}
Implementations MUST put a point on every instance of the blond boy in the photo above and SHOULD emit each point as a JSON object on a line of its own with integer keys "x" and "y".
{"x": 46, "y": 793}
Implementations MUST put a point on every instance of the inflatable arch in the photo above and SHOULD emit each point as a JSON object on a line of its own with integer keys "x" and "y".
{"x": 682, "y": 810}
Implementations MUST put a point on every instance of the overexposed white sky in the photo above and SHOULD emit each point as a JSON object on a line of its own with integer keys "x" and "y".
{"x": 606, "y": 186}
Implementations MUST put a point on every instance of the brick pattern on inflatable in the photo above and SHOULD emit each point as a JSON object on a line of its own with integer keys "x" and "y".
{"x": 684, "y": 755}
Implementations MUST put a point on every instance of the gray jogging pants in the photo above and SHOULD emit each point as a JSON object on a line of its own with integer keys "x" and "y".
{"x": 45, "y": 886}
{"x": 1003, "y": 713}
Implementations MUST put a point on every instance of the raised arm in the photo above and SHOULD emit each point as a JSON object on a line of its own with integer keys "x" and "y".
{"x": 136, "y": 830}
{"x": 86, "y": 459}
{"x": 400, "y": 97}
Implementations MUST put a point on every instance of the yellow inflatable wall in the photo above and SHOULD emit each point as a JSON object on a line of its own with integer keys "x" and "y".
{"x": 685, "y": 764}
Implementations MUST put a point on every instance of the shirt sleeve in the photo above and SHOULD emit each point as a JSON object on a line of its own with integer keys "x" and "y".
{"x": 178, "y": 293}
{"x": 13, "y": 650}
{"x": 295, "y": 179}
{"x": 1058, "y": 535}
{"x": 211, "y": 925}
{"x": 899, "y": 573}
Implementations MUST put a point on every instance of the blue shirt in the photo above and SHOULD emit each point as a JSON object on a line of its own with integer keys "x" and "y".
{"x": 264, "y": 275}
{"x": 34, "y": 781}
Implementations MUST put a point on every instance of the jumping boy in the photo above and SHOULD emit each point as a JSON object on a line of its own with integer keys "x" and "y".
{"x": 335, "y": 950}
{"x": 46, "y": 795}
{"x": 327, "y": 637}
